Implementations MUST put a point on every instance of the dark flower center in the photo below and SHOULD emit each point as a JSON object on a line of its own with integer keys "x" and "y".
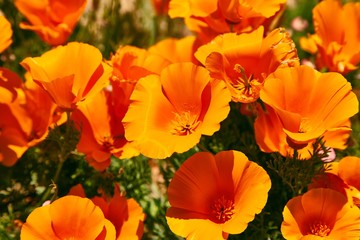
{"x": 222, "y": 210}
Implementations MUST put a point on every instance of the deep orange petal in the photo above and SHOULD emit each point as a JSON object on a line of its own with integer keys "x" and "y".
{"x": 77, "y": 217}
{"x": 248, "y": 179}
{"x": 195, "y": 184}
{"x": 133, "y": 226}
{"x": 325, "y": 206}
{"x": 6, "y": 34}
{"x": 348, "y": 170}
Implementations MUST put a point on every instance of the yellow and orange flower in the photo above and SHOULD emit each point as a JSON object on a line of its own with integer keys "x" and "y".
{"x": 69, "y": 73}
{"x": 125, "y": 214}
{"x": 170, "y": 112}
{"x": 301, "y": 109}
{"x": 237, "y": 10}
{"x": 27, "y": 113}
{"x": 243, "y": 61}
{"x": 69, "y": 217}
{"x": 102, "y": 133}
{"x": 211, "y": 18}
{"x": 53, "y": 20}
{"x": 336, "y": 40}
{"x": 6, "y": 33}
{"x": 343, "y": 177}
{"x": 320, "y": 213}
{"x": 213, "y": 196}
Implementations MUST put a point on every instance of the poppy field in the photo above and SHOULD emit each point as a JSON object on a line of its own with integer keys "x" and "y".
{"x": 179, "y": 119}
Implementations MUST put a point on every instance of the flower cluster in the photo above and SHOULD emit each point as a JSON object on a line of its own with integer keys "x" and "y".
{"x": 173, "y": 98}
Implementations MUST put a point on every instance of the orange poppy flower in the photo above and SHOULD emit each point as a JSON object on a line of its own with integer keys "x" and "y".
{"x": 303, "y": 111}
{"x": 176, "y": 50}
{"x": 69, "y": 73}
{"x": 125, "y": 214}
{"x": 237, "y": 10}
{"x": 27, "y": 114}
{"x": 69, "y": 217}
{"x": 170, "y": 112}
{"x": 320, "y": 213}
{"x": 217, "y": 17}
{"x": 6, "y": 33}
{"x": 244, "y": 61}
{"x": 336, "y": 40}
{"x": 53, "y": 20}
{"x": 213, "y": 196}
{"x": 102, "y": 134}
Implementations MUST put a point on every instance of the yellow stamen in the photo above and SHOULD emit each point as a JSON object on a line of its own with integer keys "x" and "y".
{"x": 319, "y": 229}
{"x": 185, "y": 123}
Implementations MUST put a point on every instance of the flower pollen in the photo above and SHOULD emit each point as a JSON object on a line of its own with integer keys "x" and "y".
{"x": 247, "y": 88}
{"x": 222, "y": 210}
{"x": 185, "y": 123}
{"x": 319, "y": 229}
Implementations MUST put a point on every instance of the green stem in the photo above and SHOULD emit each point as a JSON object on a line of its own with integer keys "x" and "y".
{"x": 62, "y": 156}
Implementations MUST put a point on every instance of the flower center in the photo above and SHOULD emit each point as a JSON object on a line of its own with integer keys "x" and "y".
{"x": 319, "y": 229}
{"x": 185, "y": 123}
{"x": 108, "y": 143}
{"x": 247, "y": 89}
{"x": 222, "y": 210}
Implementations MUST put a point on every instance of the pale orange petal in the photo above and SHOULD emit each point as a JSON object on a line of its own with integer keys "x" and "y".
{"x": 195, "y": 228}
{"x": 38, "y": 225}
